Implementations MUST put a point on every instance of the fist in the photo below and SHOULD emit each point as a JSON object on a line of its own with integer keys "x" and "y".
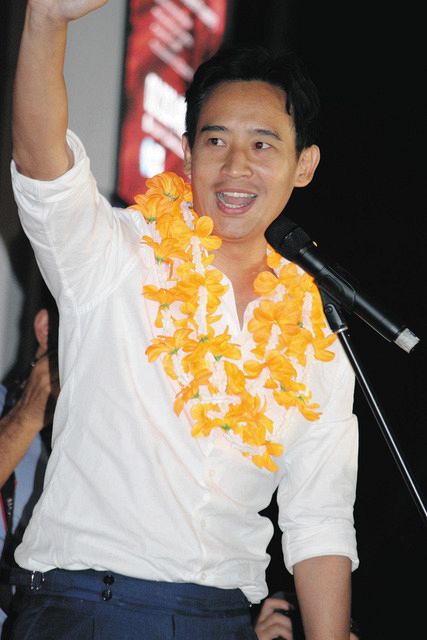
{"x": 272, "y": 623}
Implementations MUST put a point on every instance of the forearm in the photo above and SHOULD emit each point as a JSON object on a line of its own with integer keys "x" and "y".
{"x": 40, "y": 110}
{"x": 17, "y": 432}
{"x": 323, "y": 586}
{"x": 31, "y": 413}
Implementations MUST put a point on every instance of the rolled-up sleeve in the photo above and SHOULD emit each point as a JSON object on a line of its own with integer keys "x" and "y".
{"x": 39, "y": 196}
{"x": 75, "y": 232}
{"x": 317, "y": 492}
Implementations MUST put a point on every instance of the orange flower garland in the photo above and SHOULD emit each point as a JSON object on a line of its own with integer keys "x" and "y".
{"x": 219, "y": 390}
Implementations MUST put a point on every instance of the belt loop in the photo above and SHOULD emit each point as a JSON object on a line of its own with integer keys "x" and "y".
{"x": 36, "y": 580}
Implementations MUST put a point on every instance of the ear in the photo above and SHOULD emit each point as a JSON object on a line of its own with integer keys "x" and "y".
{"x": 187, "y": 155}
{"x": 41, "y": 330}
{"x": 307, "y": 164}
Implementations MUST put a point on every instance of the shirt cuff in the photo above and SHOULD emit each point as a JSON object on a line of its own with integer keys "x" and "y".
{"x": 52, "y": 190}
{"x": 322, "y": 540}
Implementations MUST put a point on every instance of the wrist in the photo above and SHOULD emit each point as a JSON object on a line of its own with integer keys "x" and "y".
{"x": 45, "y": 17}
{"x": 22, "y": 419}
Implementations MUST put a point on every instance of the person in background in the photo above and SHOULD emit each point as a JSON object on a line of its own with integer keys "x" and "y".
{"x": 198, "y": 373}
{"x": 275, "y": 619}
{"x": 25, "y": 441}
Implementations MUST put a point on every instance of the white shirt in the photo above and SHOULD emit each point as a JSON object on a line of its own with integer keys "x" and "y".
{"x": 127, "y": 488}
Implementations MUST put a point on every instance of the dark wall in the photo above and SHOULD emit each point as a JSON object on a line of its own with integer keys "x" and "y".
{"x": 366, "y": 209}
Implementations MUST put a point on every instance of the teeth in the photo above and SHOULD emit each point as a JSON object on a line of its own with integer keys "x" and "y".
{"x": 236, "y": 194}
{"x": 225, "y": 196}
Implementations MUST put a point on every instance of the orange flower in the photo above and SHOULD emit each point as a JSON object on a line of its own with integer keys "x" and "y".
{"x": 190, "y": 356}
{"x": 217, "y": 346}
{"x": 265, "y": 283}
{"x": 285, "y": 315}
{"x": 265, "y": 460}
{"x": 297, "y": 345}
{"x": 202, "y": 231}
{"x": 291, "y": 278}
{"x": 168, "y": 185}
{"x": 204, "y": 424}
{"x": 288, "y": 399}
{"x": 317, "y": 314}
{"x": 274, "y": 259}
{"x": 248, "y": 420}
{"x": 164, "y": 297}
{"x": 235, "y": 378}
{"x": 161, "y": 202}
{"x": 280, "y": 367}
{"x": 191, "y": 281}
{"x": 165, "y": 250}
{"x": 153, "y": 208}
{"x": 169, "y": 346}
{"x": 191, "y": 391}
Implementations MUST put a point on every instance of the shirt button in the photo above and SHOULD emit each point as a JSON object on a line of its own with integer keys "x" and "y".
{"x": 203, "y": 524}
{"x": 203, "y": 576}
{"x": 211, "y": 473}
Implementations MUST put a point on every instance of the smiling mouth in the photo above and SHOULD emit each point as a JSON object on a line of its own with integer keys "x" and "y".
{"x": 235, "y": 199}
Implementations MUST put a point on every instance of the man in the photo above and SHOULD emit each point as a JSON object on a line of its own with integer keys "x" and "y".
{"x": 193, "y": 361}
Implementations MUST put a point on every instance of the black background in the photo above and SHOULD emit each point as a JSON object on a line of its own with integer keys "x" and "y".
{"x": 366, "y": 209}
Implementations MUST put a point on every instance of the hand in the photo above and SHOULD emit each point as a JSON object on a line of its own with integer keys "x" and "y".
{"x": 37, "y": 402}
{"x": 63, "y": 11}
{"x": 272, "y": 624}
{"x": 33, "y": 411}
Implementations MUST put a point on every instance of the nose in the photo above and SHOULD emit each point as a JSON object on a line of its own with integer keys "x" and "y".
{"x": 237, "y": 163}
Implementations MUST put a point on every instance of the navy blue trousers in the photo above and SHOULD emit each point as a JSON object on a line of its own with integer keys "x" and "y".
{"x": 96, "y": 605}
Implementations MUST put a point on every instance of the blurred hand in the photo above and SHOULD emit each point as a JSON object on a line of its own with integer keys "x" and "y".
{"x": 32, "y": 411}
{"x": 272, "y": 624}
{"x": 37, "y": 402}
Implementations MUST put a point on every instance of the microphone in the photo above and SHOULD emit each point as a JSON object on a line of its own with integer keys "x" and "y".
{"x": 292, "y": 242}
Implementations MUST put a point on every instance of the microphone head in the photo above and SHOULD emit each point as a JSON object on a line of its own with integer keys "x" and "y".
{"x": 286, "y": 237}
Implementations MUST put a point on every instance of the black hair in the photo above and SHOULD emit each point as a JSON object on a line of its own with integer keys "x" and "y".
{"x": 286, "y": 71}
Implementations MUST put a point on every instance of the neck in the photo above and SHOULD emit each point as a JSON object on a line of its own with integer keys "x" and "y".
{"x": 234, "y": 259}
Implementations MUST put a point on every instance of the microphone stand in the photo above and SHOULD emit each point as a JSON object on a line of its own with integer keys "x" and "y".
{"x": 338, "y": 325}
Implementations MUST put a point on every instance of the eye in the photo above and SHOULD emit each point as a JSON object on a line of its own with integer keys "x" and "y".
{"x": 216, "y": 142}
{"x": 262, "y": 145}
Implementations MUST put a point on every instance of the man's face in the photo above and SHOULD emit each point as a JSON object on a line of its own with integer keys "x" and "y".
{"x": 243, "y": 164}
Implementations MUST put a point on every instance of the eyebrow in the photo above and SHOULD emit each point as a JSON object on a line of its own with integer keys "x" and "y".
{"x": 262, "y": 132}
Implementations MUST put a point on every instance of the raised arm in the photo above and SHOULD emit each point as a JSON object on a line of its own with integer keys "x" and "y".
{"x": 40, "y": 104}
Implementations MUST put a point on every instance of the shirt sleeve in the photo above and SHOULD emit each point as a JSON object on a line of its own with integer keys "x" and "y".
{"x": 76, "y": 234}
{"x": 317, "y": 492}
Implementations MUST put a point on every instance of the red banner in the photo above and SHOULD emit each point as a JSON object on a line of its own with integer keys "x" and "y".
{"x": 166, "y": 42}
